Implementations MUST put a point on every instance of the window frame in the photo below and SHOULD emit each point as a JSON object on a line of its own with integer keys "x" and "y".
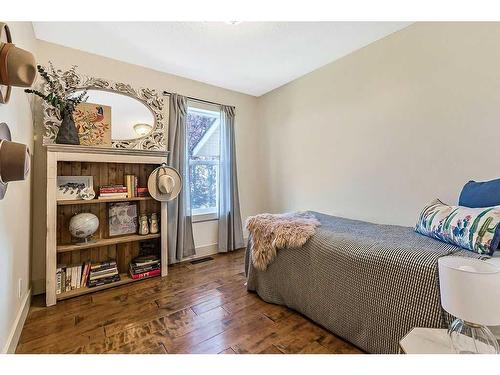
{"x": 205, "y": 214}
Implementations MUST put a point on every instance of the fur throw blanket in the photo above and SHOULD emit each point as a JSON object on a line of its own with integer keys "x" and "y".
{"x": 272, "y": 232}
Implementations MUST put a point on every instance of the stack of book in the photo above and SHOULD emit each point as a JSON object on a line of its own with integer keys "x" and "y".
{"x": 71, "y": 277}
{"x": 103, "y": 273}
{"x": 131, "y": 185}
{"x": 142, "y": 192}
{"x": 112, "y": 192}
{"x": 145, "y": 266}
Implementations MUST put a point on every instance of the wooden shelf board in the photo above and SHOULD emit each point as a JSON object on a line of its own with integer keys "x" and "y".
{"x": 124, "y": 279}
{"x": 68, "y": 202}
{"x": 107, "y": 242}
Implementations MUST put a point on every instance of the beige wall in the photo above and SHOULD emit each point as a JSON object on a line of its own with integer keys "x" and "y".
{"x": 379, "y": 133}
{"x": 15, "y": 207}
{"x": 246, "y": 141}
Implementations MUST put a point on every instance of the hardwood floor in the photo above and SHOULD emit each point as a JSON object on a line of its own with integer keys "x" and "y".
{"x": 202, "y": 308}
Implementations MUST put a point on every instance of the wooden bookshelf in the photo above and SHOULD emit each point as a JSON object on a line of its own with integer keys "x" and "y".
{"x": 70, "y": 202}
{"x": 124, "y": 279}
{"x": 106, "y": 242}
{"x": 107, "y": 167}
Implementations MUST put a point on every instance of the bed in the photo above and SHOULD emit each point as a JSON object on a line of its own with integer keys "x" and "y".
{"x": 367, "y": 283}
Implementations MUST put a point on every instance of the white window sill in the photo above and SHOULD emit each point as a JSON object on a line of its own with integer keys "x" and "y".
{"x": 200, "y": 217}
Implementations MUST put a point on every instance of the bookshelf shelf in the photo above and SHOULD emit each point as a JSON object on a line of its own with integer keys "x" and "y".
{"x": 124, "y": 279}
{"x": 98, "y": 201}
{"x": 106, "y": 242}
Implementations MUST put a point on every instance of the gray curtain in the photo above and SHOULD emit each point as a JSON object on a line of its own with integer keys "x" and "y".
{"x": 230, "y": 229}
{"x": 180, "y": 228}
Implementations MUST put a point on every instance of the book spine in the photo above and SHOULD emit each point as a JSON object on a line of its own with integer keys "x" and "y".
{"x": 144, "y": 269}
{"x": 74, "y": 277}
{"x": 145, "y": 274}
{"x": 103, "y": 268}
{"x": 104, "y": 281}
{"x": 58, "y": 281}
{"x": 128, "y": 184}
{"x": 113, "y": 190}
{"x": 103, "y": 271}
{"x": 78, "y": 276}
{"x": 63, "y": 280}
{"x": 95, "y": 266}
{"x": 136, "y": 182}
{"x": 68, "y": 279}
{"x": 88, "y": 274}
{"x": 142, "y": 192}
{"x": 104, "y": 197}
{"x": 146, "y": 264}
{"x": 103, "y": 276}
{"x": 84, "y": 272}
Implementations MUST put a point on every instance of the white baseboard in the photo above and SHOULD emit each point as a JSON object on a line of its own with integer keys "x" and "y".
{"x": 15, "y": 333}
{"x": 206, "y": 250}
{"x": 203, "y": 251}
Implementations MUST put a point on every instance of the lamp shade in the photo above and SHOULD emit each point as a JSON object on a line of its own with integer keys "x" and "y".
{"x": 470, "y": 289}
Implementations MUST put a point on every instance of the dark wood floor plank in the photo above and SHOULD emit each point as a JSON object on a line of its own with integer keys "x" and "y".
{"x": 198, "y": 308}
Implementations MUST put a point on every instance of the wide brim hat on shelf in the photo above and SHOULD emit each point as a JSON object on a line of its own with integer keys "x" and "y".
{"x": 17, "y": 66}
{"x": 164, "y": 183}
{"x": 14, "y": 160}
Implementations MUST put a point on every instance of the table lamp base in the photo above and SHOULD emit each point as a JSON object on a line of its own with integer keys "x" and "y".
{"x": 471, "y": 338}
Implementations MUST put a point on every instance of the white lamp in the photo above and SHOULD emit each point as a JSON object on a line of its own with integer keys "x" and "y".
{"x": 470, "y": 291}
{"x": 142, "y": 129}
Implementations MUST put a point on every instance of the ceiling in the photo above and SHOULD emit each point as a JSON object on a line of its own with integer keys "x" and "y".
{"x": 249, "y": 57}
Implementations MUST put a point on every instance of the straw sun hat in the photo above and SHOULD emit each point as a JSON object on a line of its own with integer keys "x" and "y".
{"x": 17, "y": 66}
{"x": 164, "y": 183}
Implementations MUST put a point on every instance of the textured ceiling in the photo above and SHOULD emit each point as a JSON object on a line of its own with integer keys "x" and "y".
{"x": 250, "y": 57}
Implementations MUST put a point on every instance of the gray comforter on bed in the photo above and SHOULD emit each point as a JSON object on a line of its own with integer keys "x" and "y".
{"x": 367, "y": 283}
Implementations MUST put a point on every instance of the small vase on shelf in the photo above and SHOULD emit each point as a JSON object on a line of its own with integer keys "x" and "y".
{"x": 153, "y": 221}
{"x": 67, "y": 134}
{"x": 143, "y": 225}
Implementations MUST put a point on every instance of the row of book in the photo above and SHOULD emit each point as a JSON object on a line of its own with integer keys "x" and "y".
{"x": 95, "y": 274}
{"x": 129, "y": 190}
{"x": 69, "y": 278}
{"x": 103, "y": 273}
{"x": 131, "y": 185}
{"x": 112, "y": 192}
{"x": 133, "y": 190}
{"x": 145, "y": 266}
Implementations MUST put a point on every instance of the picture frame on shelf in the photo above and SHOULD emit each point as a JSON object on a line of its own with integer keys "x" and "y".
{"x": 122, "y": 218}
{"x": 93, "y": 122}
{"x": 70, "y": 187}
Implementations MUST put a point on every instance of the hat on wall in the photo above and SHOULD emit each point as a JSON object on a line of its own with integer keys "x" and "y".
{"x": 17, "y": 66}
{"x": 14, "y": 160}
{"x": 164, "y": 183}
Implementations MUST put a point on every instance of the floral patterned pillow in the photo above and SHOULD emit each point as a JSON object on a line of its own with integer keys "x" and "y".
{"x": 475, "y": 229}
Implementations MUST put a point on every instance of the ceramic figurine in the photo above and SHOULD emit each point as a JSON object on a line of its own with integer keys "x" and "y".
{"x": 143, "y": 225}
{"x": 87, "y": 193}
{"x": 153, "y": 222}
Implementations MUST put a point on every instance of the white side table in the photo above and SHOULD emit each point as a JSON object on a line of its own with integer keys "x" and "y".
{"x": 426, "y": 341}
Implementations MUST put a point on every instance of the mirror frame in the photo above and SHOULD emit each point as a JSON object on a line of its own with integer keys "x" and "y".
{"x": 155, "y": 140}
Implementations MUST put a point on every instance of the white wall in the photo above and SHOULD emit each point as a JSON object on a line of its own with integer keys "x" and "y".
{"x": 246, "y": 142}
{"x": 379, "y": 133}
{"x": 15, "y": 207}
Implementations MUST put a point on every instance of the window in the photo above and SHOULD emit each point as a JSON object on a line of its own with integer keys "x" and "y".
{"x": 203, "y": 133}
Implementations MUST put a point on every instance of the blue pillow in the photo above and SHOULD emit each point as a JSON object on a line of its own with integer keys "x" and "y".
{"x": 480, "y": 194}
